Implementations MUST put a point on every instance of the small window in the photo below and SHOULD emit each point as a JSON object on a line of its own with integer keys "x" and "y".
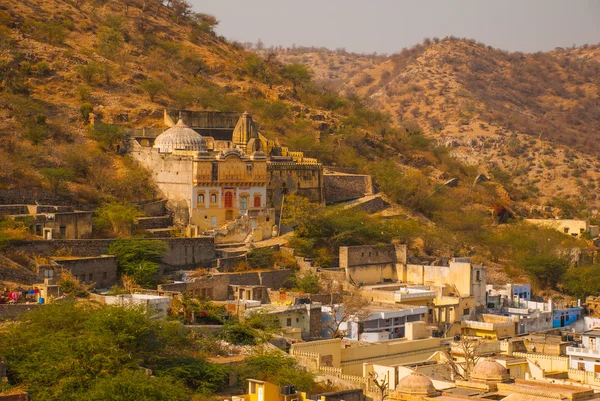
{"x": 289, "y": 321}
{"x": 477, "y": 275}
{"x": 297, "y": 320}
{"x": 466, "y": 311}
{"x": 105, "y": 275}
{"x": 213, "y": 198}
{"x": 201, "y": 199}
{"x": 63, "y": 231}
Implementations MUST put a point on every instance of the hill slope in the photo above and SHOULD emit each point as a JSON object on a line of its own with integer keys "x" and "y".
{"x": 530, "y": 120}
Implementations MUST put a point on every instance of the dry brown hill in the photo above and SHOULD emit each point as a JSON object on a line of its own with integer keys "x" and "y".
{"x": 125, "y": 61}
{"x": 530, "y": 120}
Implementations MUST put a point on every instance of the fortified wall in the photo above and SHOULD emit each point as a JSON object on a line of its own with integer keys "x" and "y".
{"x": 344, "y": 187}
{"x": 181, "y": 252}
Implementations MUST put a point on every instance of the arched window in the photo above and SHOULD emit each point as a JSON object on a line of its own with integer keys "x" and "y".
{"x": 200, "y": 199}
{"x": 257, "y": 201}
{"x": 213, "y": 198}
{"x": 228, "y": 199}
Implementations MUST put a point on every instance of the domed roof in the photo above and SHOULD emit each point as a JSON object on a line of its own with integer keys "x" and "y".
{"x": 489, "y": 370}
{"x": 416, "y": 384}
{"x": 179, "y": 137}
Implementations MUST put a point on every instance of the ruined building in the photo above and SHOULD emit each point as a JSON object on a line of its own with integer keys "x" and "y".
{"x": 216, "y": 174}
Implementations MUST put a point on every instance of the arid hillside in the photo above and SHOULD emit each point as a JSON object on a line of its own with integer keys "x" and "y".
{"x": 124, "y": 61}
{"x": 528, "y": 120}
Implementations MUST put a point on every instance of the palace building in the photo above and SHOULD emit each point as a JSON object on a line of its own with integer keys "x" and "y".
{"x": 220, "y": 176}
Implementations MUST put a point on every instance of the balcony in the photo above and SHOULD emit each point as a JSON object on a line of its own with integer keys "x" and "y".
{"x": 584, "y": 352}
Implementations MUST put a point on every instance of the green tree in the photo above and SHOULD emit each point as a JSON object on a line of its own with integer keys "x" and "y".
{"x": 298, "y": 211}
{"x": 298, "y": 74}
{"x": 110, "y": 43}
{"x": 261, "y": 258}
{"x": 139, "y": 258}
{"x": 118, "y": 217}
{"x": 278, "y": 368}
{"x": 77, "y": 351}
{"x": 135, "y": 385}
{"x": 196, "y": 373}
{"x": 110, "y": 137}
{"x": 582, "y": 281}
{"x": 56, "y": 178}
{"x": 306, "y": 281}
{"x": 546, "y": 270}
{"x": 153, "y": 87}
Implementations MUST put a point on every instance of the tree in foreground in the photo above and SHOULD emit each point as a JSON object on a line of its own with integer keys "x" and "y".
{"x": 72, "y": 351}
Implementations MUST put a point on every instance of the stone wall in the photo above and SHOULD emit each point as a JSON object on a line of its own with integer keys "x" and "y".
{"x": 276, "y": 278}
{"x": 287, "y": 178}
{"x": 9, "y": 312}
{"x": 101, "y": 270}
{"x": 215, "y": 287}
{"x": 181, "y": 252}
{"x": 220, "y": 282}
{"x": 374, "y": 205}
{"x": 344, "y": 187}
{"x": 227, "y": 264}
{"x": 31, "y": 196}
{"x": 154, "y": 208}
{"x": 149, "y": 223}
{"x": 368, "y": 255}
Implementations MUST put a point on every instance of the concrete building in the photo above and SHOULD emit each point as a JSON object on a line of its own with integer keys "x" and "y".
{"x": 348, "y": 356}
{"x": 575, "y": 228}
{"x": 229, "y": 184}
{"x": 155, "y": 304}
{"x": 368, "y": 265}
{"x": 379, "y": 324}
{"x": 98, "y": 270}
{"x": 586, "y": 357}
{"x": 507, "y": 295}
{"x": 303, "y": 319}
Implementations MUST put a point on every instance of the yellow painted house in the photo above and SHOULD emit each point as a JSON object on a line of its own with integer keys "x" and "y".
{"x": 259, "y": 390}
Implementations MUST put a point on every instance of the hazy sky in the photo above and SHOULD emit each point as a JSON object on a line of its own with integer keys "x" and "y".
{"x": 386, "y": 26}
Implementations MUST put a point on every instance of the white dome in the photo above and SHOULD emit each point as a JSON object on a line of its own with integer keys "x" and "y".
{"x": 179, "y": 137}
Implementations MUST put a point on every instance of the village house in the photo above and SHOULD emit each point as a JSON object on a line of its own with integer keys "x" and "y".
{"x": 52, "y": 222}
{"x": 586, "y": 356}
{"x": 575, "y": 228}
